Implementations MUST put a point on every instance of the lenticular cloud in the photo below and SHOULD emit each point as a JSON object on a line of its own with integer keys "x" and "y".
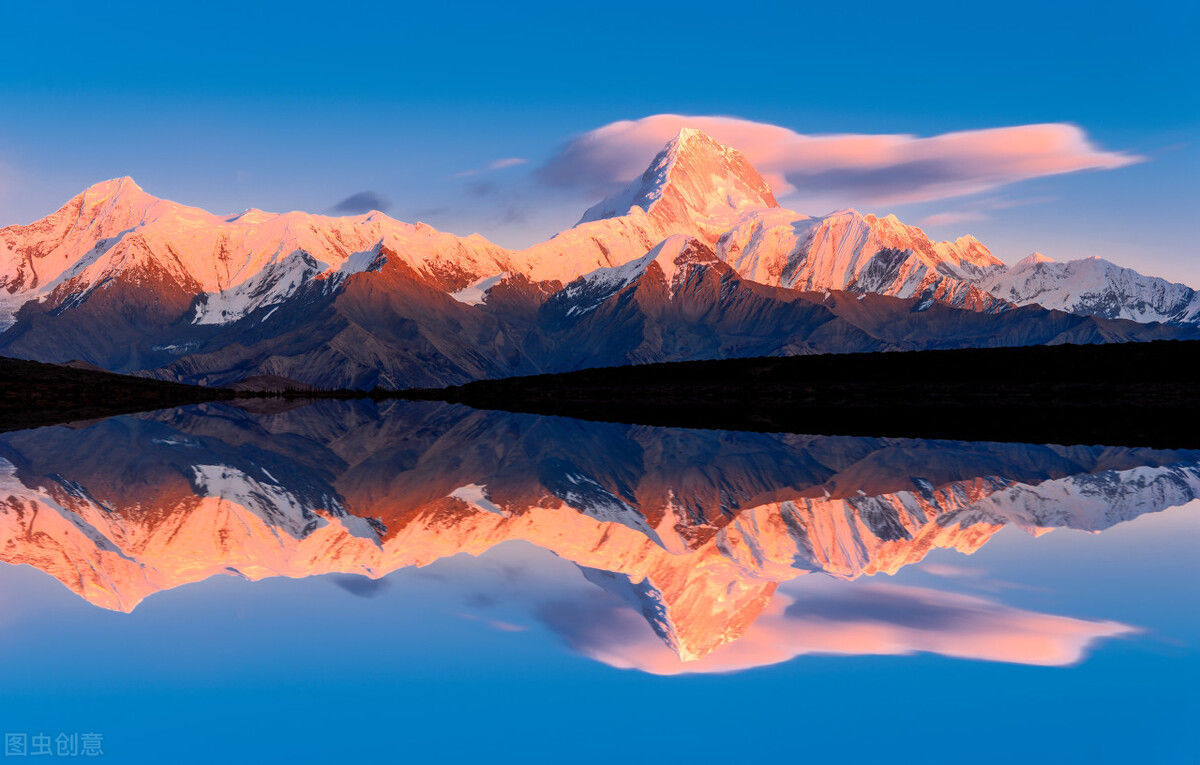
{"x": 886, "y": 169}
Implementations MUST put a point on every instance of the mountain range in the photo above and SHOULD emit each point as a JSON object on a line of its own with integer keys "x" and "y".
{"x": 695, "y": 530}
{"x": 693, "y": 260}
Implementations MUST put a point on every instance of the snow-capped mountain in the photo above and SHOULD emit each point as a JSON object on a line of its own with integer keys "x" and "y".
{"x": 697, "y": 187}
{"x": 860, "y": 253}
{"x": 693, "y": 187}
{"x": 670, "y": 261}
{"x": 115, "y": 231}
{"x": 682, "y": 302}
{"x": 693, "y": 181}
{"x": 133, "y": 283}
{"x": 1095, "y": 287}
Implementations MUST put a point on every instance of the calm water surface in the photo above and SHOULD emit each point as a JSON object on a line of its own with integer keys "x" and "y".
{"x": 346, "y": 582}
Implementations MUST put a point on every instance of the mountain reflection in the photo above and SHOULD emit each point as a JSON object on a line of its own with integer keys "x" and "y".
{"x": 695, "y": 540}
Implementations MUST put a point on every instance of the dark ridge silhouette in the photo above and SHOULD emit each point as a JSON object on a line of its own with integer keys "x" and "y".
{"x": 34, "y": 394}
{"x": 1133, "y": 394}
{"x": 1128, "y": 394}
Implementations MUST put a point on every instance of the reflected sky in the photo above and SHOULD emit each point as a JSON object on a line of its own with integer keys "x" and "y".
{"x": 311, "y": 581}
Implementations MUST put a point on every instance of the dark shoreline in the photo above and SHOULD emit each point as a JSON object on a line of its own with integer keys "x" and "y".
{"x": 33, "y": 394}
{"x": 1129, "y": 394}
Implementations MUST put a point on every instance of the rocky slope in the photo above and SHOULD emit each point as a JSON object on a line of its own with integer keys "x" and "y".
{"x": 132, "y": 283}
{"x": 1095, "y": 287}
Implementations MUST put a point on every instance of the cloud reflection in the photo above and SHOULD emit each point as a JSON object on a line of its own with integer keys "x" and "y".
{"x": 842, "y": 619}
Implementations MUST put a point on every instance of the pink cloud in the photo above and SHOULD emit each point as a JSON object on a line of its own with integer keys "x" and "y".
{"x": 952, "y": 571}
{"x": 953, "y": 216}
{"x": 855, "y": 168}
{"x": 846, "y": 619}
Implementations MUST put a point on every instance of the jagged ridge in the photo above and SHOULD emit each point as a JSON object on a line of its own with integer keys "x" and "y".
{"x": 133, "y": 283}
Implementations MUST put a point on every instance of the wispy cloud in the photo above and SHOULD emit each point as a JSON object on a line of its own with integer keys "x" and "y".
{"x": 859, "y": 168}
{"x": 481, "y": 188}
{"x": 496, "y": 164}
{"x": 980, "y": 209}
{"x": 953, "y": 216}
{"x": 361, "y": 202}
{"x": 500, "y": 164}
{"x": 513, "y": 215}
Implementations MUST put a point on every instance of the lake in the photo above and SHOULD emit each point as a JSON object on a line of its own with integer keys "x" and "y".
{"x": 395, "y": 582}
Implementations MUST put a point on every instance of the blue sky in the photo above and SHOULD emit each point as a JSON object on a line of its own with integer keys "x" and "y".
{"x": 290, "y": 106}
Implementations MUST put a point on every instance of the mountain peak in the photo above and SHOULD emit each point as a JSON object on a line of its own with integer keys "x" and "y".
{"x": 107, "y": 198}
{"x": 102, "y": 209}
{"x": 1032, "y": 260}
{"x": 112, "y": 188}
{"x": 693, "y": 181}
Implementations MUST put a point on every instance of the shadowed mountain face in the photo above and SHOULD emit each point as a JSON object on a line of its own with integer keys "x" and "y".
{"x": 694, "y": 260}
{"x": 692, "y": 530}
